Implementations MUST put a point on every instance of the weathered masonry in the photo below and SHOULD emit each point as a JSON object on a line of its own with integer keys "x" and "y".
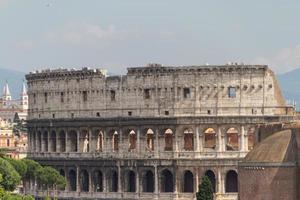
{"x": 152, "y": 133}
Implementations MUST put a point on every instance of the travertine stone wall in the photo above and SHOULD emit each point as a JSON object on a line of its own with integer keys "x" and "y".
{"x": 154, "y": 91}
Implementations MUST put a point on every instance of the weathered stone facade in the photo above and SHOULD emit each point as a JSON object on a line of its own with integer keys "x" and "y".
{"x": 152, "y": 133}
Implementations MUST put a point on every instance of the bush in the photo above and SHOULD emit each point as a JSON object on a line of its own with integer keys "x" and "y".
{"x": 10, "y": 176}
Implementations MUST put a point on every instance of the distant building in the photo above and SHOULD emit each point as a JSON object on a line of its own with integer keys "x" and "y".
{"x": 9, "y": 107}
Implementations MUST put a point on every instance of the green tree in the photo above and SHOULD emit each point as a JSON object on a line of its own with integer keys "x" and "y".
{"x": 10, "y": 176}
{"x": 205, "y": 191}
{"x": 50, "y": 177}
{"x": 19, "y": 165}
{"x": 33, "y": 168}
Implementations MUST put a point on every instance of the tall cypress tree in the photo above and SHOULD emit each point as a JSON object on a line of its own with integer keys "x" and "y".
{"x": 205, "y": 191}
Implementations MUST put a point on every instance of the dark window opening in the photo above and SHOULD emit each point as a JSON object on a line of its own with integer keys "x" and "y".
{"x": 62, "y": 97}
{"x": 186, "y": 93}
{"x": 53, "y": 116}
{"x": 112, "y": 95}
{"x": 166, "y": 112}
{"x": 46, "y": 97}
{"x": 98, "y": 114}
{"x": 34, "y": 98}
{"x": 208, "y": 112}
{"x": 147, "y": 93}
{"x": 129, "y": 113}
{"x": 84, "y": 96}
{"x": 72, "y": 115}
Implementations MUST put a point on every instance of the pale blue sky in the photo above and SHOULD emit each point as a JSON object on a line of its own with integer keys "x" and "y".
{"x": 116, "y": 34}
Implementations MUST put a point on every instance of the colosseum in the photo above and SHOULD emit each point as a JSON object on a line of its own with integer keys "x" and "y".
{"x": 152, "y": 133}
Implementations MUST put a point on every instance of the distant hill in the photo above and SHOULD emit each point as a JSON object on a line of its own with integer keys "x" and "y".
{"x": 14, "y": 79}
{"x": 289, "y": 82}
{"x": 290, "y": 85}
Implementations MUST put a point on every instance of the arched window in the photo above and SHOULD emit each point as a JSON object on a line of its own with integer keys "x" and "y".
{"x": 98, "y": 181}
{"x": 72, "y": 180}
{"x": 73, "y": 141}
{"x": 84, "y": 178}
{"x": 188, "y": 185}
{"x": 150, "y": 139}
{"x": 251, "y": 138}
{"x": 62, "y": 139}
{"x": 53, "y": 141}
{"x": 232, "y": 136}
{"x": 212, "y": 178}
{"x": 148, "y": 182}
{"x": 131, "y": 181}
{"x": 114, "y": 182}
{"x": 210, "y": 138}
{"x": 167, "y": 182}
{"x": 132, "y": 140}
{"x": 231, "y": 181}
{"x": 168, "y": 140}
{"x": 115, "y": 141}
{"x": 188, "y": 140}
{"x": 100, "y": 141}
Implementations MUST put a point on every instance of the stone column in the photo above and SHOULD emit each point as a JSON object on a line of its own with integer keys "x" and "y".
{"x": 58, "y": 148}
{"x": 156, "y": 146}
{"x": 77, "y": 179}
{"x": 68, "y": 145}
{"x": 90, "y": 181}
{"x": 197, "y": 180}
{"x": 104, "y": 181}
{"x": 242, "y": 137}
{"x": 197, "y": 139}
{"x": 66, "y": 178}
{"x": 91, "y": 144}
{"x": 119, "y": 178}
{"x": 78, "y": 141}
{"x": 137, "y": 182}
{"x": 176, "y": 141}
{"x": 121, "y": 149}
{"x": 220, "y": 139}
{"x": 138, "y": 141}
{"x": 50, "y": 144}
{"x": 220, "y": 182}
{"x": 156, "y": 190}
{"x": 104, "y": 141}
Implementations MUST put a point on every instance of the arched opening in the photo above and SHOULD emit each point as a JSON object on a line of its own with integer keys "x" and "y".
{"x": 115, "y": 141}
{"x": 100, "y": 141}
{"x": 231, "y": 181}
{"x": 132, "y": 140}
{"x": 62, "y": 173}
{"x": 62, "y": 141}
{"x": 232, "y": 136}
{"x": 251, "y": 138}
{"x": 210, "y": 138}
{"x": 45, "y": 141}
{"x": 150, "y": 140}
{"x": 53, "y": 141}
{"x": 148, "y": 182}
{"x": 212, "y": 178}
{"x": 131, "y": 182}
{"x": 188, "y": 140}
{"x": 85, "y": 141}
{"x": 167, "y": 184}
{"x": 188, "y": 186}
{"x": 84, "y": 181}
{"x": 168, "y": 140}
{"x": 114, "y": 182}
{"x": 72, "y": 180}
{"x": 98, "y": 181}
{"x": 73, "y": 141}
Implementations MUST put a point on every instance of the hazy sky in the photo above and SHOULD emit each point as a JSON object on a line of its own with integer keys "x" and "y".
{"x": 116, "y": 34}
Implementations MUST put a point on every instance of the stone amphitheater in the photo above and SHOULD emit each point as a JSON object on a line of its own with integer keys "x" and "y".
{"x": 152, "y": 133}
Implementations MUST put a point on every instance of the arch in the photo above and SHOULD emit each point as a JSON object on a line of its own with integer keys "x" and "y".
{"x": 188, "y": 139}
{"x": 167, "y": 182}
{"x": 100, "y": 141}
{"x": 98, "y": 181}
{"x": 113, "y": 182}
{"x": 72, "y": 180}
{"x": 212, "y": 178}
{"x": 210, "y": 138}
{"x": 84, "y": 181}
{"x": 132, "y": 140}
{"x": 115, "y": 141}
{"x": 148, "y": 182}
{"x": 131, "y": 182}
{"x": 231, "y": 181}
{"x": 188, "y": 182}
{"x": 150, "y": 139}
{"x": 232, "y": 139}
{"x": 62, "y": 141}
{"x": 53, "y": 141}
{"x": 251, "y": 138}
{"x": 73, "y": 141}
{"x": 45, "y": 141}
{"x": 168, "y": 140}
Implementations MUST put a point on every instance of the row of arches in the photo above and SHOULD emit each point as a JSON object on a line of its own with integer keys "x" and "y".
{"x": 82, "y": 142}
{"x": 167, "y": 181}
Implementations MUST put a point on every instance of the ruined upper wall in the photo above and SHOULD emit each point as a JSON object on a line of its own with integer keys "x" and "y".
{"x": 155, "y": 90}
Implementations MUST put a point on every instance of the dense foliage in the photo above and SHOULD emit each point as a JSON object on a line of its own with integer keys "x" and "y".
{"x": 10, "y": 176}
{"x": 205, "y": 191}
